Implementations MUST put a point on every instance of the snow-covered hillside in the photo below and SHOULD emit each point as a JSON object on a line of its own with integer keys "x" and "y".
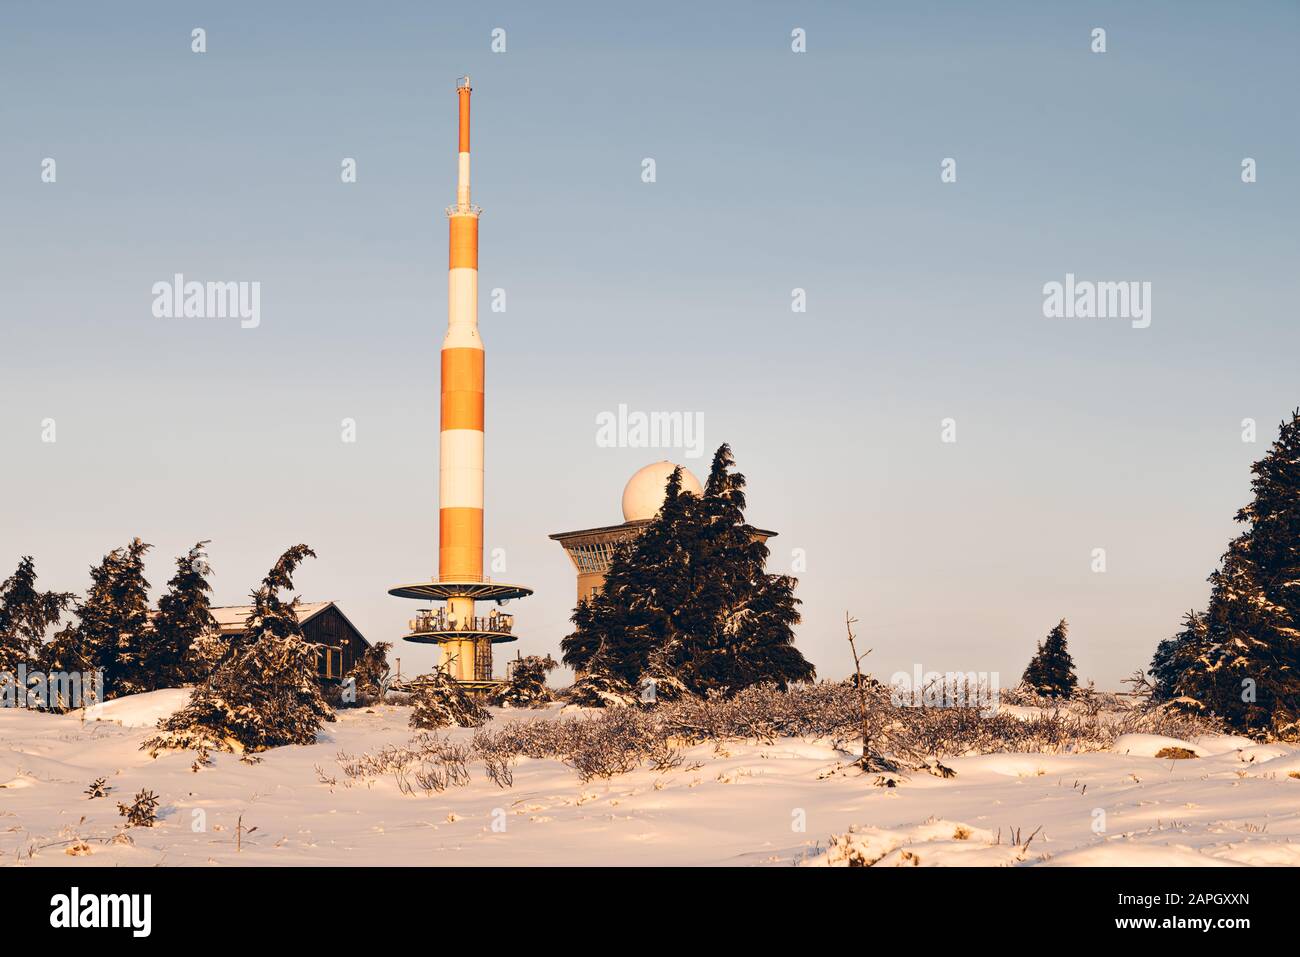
{"x": 745, "y": 803}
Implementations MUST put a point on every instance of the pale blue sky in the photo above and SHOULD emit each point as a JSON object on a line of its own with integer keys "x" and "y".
{"x": 775, "y": 170}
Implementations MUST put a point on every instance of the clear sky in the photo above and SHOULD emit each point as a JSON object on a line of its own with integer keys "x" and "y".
{"x": 775, "y": 170}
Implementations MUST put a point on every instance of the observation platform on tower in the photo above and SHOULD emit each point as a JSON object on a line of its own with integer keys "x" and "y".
{"x": 433, "y": 627}
{"x": 438, "y": 626}
{"x": 479, "y": 589}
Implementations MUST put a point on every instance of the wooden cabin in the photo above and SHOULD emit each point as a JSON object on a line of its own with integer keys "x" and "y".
{"x": 338, "y": 642}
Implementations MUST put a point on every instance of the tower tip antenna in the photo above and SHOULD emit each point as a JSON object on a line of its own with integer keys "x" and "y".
{"x": 462, "y": 82}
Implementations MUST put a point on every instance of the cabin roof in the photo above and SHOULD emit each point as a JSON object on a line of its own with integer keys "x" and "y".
{"x": 230, "y": 618}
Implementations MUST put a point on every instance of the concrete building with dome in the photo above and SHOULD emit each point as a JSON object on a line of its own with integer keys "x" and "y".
{"x": 592, "y": 549}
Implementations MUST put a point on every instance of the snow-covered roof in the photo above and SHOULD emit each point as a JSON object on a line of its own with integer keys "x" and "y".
{"x": 230, "y": 618}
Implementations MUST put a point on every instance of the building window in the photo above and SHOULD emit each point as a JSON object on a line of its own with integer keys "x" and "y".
{"x": 593, "y": 557}
{"x": 329, "y": 662}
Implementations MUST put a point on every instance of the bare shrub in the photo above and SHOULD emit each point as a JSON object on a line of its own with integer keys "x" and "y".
{"x": 500, "y": 769}
{"x": 615, "y": 744}
{"x": 435, "y": 763}
{"x": 663, "y": 756}
{"x": 764, "y": 713}
{"x": 499, "y": 759}
{"x": 613, "y": 741}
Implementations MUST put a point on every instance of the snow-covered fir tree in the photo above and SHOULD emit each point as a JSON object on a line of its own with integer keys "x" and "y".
{"x": 616, "y": 629}
{"x": 184, "y": 619}
{"x": 662, "y": 679}
{"x": 1247, "y": 668}
{"x": 739, "y": 627}
{"x": 113, "y": 632}
{"x": 598, "y": 688}
{"x": 26, "y": 617}
{"x": 526, "y": 685}
{"x": 440, "y": 702}
{"x": 367, "y": 681}
{"x": 1175, "y": 655}
{"x": 1051, "y": 670}
{"x": 265, "y": 692}
{"x": 688, "y": 604}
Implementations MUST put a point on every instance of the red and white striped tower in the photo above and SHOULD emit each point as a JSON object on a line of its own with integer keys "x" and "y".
{"x": 460, "y": 446}
{"x": 464, "y": 638}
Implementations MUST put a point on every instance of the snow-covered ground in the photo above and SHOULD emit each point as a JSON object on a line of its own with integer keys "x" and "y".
{"x": 746, "y": 804}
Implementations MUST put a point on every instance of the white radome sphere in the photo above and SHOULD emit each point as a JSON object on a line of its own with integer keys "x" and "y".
{"x": 643, "y": 495}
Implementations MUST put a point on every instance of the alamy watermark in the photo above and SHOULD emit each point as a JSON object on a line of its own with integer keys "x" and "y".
{"x": 945, "y": 689}
{"x": 1085, "y": 299}
{"x": 130, "y": 911}
{"x": 626, "y": 429}
{"x": 179, "y": 299}
{"x": 51, "y": 691}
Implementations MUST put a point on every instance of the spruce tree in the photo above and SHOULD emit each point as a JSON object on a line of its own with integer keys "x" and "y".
{"x": 440, "y": 702}
{"x": 1174, "y": 656}
{"x": 526, "y": 686}
{"x": 184, "y": 618}
{"x": 616, "y": 630}
{"x": 1051, "y": 670}
{"x": 598, "y": 688}
{"x": 265, "y": 693}
{"x": 663, "y": 678}
{"x": 1249, "y": 671}
{"x": 739, "y": 620}
{"x": 26, "y": 616}
{"x": 586, "y": 646}
{"x": 112, "y": 632}
{"x": 369, "y": 676}
{"x": 1242, "y": 675}
{"x": 647, "y": 586}
{"x": 688, "y": 604}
